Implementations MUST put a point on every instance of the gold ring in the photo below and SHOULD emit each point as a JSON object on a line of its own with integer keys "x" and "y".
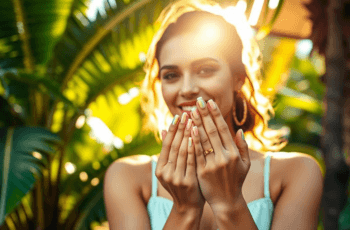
{"x": 208, "y": 151}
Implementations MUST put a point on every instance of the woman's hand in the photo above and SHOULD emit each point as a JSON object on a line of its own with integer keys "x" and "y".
{"x": 221, "y": 174}
{"x": 178, "y": 176}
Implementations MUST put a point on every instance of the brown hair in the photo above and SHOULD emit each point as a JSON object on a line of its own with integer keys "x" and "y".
{"x": 156, "y": 113}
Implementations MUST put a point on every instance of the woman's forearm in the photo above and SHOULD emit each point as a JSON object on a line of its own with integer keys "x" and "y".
{"x": 183, "y": 219}
{"x": 235, "y": 216}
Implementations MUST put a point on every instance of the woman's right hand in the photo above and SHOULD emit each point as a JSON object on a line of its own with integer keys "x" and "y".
{"x": 179, "y": 176}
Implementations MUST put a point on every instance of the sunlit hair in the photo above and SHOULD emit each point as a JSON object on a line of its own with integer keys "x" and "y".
{"x": 156, "y": 113}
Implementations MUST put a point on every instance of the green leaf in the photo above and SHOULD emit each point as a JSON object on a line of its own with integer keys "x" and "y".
{"x": 266, "y": 29}
{"x": 18, "y": 165}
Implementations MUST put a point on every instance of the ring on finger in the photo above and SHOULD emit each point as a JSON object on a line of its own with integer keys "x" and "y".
{"x": 206, "y": 152}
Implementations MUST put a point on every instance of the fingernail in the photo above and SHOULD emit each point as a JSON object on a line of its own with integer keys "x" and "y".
{"x": 195, "y": 113}
{"x": 190, "y": 141}
{"x": 195, "y": 130}
{"x": 242, "y": 133}
{"x": 163, "y": 134}
{"x": 212, "y": 104}
{"x": 175, "y": 119}
{"x": 183, "y": 118}
{"x": 201, "y": 102}
{"x": 189, "y": 123}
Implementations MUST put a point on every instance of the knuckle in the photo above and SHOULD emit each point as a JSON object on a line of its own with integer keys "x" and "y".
{"x": 182, "y": 152}
{"x": 167, "y": 179}
{"x": 206, "y": 141}
{"x": 223, "y": 128}
{"x": 212, "y": 131}
{"x": 177, "y": 182}
{"x": 175, "y": 147}
{"x": 234, "y": 158}
{"x": 158, "y": 174}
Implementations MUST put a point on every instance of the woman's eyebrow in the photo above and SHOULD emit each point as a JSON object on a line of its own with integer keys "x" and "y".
{"x": 194, "y": 63}
{"x": 168, "y": 67}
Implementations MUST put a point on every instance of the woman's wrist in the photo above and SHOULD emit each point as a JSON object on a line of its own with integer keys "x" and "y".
{"x": 223, "y": 209}
{"x": 189, "y": 211}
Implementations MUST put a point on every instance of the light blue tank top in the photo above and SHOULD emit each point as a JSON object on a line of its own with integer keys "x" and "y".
{"x": 159, "y": 208}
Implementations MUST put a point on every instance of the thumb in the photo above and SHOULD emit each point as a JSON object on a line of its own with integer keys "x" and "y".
{"x": 242, "y": 146}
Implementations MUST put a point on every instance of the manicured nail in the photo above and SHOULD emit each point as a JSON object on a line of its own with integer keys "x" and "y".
{"x": 190, "y": 141}
{"x": 195, "y": 130}
{"x": 195, "y": 113}
{"x": 212, "y": 104}
{"x": 242, "y": 133}
{"x": 201, "y": 102}
{"x": 189, "y": 123}
{"x": 183, "y": 118}
{"x": 175, "y": 119}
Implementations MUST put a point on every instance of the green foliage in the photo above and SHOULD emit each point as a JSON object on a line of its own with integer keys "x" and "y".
{"x": 23, "y": 154}
{"x": 82, "y": 69}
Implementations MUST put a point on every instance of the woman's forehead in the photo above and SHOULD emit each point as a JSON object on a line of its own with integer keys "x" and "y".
{"x": 191, "y": 46}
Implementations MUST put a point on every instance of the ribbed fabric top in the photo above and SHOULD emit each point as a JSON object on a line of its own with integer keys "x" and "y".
{"x": 159, "y": 208}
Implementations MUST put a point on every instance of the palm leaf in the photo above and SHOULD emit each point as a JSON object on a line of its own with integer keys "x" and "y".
{"x": 266, "y": 29}
{"x": 18, "y": 165}
{"x": 91, "y": 206}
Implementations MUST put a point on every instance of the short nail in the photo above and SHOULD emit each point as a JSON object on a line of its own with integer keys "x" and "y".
{"x": 212, "y": 104}
{"x": 190, "y": 141}
{"x": 175, "y": 119}
{"x": 195, "y": 113}
{"x": 189, "y": 123}
{"x": 183, "y": 118}
{"x": 201, "y": 102}
{"x": 195, "y": 130}
{"x": 242, "y": 134}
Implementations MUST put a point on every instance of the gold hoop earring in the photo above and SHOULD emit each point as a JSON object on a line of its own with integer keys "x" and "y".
{"x": 244, "y": 113}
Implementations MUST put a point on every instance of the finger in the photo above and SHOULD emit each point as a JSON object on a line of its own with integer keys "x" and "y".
{"x": 242, "y": 146}
{"x": 198, "y": 150}
{"x": 224, "y": 131}
{"x": 164, "y": 132}
{"x": 210, "y": 128}
{"x": 175, "y": 146}
{"x": 166, "y": 146}
{"x": 203, "y": 137}
{"x": 183, "y": 152}
{"x": 191, "y": 159}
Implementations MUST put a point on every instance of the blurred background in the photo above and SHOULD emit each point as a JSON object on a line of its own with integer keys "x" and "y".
{"x": 70, "y": 104}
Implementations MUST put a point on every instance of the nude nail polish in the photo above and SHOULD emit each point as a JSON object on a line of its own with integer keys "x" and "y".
{"x": 183, "y": 118}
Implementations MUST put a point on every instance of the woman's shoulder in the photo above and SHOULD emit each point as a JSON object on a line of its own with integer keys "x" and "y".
{"x": 292, "y": 164}
{"x": 136, "y": 167}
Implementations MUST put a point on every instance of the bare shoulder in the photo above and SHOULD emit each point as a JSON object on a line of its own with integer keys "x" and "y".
{"x": 122, "y": 191}
{"x": 136, "y": 169}
{"x": 295, "y": 164}
{"x": 137, "y": 164}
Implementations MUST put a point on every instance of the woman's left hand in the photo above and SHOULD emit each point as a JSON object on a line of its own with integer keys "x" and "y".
{"x": 220, "y": 174}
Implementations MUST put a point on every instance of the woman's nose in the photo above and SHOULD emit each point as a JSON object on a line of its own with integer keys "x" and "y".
{"x": 188, "y": 86}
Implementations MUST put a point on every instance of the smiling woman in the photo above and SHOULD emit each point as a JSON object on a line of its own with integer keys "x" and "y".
{"x": 229, "y": 30}
{"x": 202, "y": 85}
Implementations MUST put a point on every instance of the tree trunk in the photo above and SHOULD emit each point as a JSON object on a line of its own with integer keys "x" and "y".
{"x": 337, "y": 172}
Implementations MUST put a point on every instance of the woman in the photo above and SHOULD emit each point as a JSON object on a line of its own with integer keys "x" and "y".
{"x": 206, "y": 177}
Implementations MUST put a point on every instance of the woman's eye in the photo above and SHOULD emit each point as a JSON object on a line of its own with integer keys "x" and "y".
{"x": 169, "y": 76}
{"x": 206, "y": 70}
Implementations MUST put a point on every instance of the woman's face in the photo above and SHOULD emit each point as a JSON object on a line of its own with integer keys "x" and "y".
{"x": 194, "y": 64}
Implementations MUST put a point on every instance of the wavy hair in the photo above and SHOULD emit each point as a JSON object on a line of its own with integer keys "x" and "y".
{"x": 156, "y": 114}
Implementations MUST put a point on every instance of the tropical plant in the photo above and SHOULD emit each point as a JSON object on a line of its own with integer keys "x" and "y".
{"x": 64, "y": 80}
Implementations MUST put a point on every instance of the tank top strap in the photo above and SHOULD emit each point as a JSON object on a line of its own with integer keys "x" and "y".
{"x": 154, "y": 178}
{"x": 267, "y": 175}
